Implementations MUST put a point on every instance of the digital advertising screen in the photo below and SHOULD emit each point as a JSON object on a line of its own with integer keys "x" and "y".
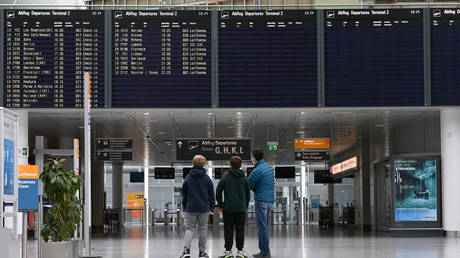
{"x": 416, "y": 190}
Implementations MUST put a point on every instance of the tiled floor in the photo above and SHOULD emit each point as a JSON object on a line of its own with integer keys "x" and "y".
{"x": 290, "y": 241}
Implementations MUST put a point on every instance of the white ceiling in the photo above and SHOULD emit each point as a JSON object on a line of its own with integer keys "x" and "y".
{"x": 344, "y": 125}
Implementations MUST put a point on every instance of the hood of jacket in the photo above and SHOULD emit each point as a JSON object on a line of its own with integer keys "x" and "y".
{"x": 197, "y": 172}
{"x": 236, "y": 173}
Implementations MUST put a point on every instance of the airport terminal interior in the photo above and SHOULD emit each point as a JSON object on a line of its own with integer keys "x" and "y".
{"x": 355, "y": 105}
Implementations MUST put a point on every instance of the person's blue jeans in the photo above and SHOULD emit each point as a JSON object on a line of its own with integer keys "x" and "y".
{"x": 263, "y": 210}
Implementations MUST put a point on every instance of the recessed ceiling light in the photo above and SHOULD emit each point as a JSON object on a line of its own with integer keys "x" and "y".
{"x": 379, "y": 125}
{"x": 300, "y": 132}
{"x": 161, "y": 132}
{"x": 146, "y": 113}
{"x": 387, "y": 112}
{"x": 210, "y": 113}
{"x": 154, "y": 120}
{"x": 81, "y": 127}
{"x": 302, "y": 113}
{"x": 231, "y": 127}
{"x": 238, "y": 113}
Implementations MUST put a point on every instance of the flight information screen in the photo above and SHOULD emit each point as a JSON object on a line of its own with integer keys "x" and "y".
{"x": 161, "y": 59}
{"x": 268, "y": 59}
{"x": 445, "y": 56}
{"x": 46, "y": 54}
{"x": 374, "y": 57}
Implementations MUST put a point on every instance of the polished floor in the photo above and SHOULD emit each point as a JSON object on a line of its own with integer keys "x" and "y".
{"x": 286, "y": 241}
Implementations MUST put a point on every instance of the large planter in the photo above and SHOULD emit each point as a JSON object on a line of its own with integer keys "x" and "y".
{"x": 65, "y": 249}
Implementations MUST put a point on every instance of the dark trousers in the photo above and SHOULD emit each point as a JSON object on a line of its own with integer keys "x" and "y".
{"x": 234, "y": 221}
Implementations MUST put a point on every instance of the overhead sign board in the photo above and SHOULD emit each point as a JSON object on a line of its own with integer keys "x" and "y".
{"x": 114, "y": 143}
{"x": 323, "y": 177}
{"x": 312, "y": 155}
{"x": 114, "y": 155}
{"x": 28, "y": 188}
{"x": 312, "y": 144}
{"x": 213, "y": 149}
{"x": 346, "y": 165}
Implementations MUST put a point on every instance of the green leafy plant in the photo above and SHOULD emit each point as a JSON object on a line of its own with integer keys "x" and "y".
{"x": 61, "y": 187}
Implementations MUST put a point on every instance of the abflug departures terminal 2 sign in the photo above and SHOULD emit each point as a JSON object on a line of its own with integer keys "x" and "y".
{"x": 213, "y": 149}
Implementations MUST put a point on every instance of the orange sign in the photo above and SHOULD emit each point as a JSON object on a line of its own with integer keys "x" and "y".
{"x": 28, "y": 171}
{"x": 312, "y": 144}
{"x": 135, "y": 201}
{"x": 349, "y": 164}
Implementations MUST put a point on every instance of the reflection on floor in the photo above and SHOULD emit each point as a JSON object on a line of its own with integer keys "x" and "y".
{"x": 290, "y": 241}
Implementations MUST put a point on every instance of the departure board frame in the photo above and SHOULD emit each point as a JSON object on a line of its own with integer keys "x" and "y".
{"x": 172, "y": 70}
{"x": 268, "y": 58}
{"x": 46, "y": 52}
{"x": 345, "y": 86}
{"x": 444, "y": 29}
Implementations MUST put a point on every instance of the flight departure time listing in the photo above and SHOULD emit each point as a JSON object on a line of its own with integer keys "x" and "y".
{"x": 46, "y": 55}
{"x": 161, "y": 59}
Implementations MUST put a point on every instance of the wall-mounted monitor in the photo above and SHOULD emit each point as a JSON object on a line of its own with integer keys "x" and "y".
{"x": 185, "y": 171}
{"x": 284, "y": 172}
{"x": 136, "y": 177}
{"x": 164, "y": 173}
{"x": 220, "y": 172}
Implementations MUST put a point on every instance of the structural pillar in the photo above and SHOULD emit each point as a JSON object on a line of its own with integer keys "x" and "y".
{"x": 450, "y": 148}
{"x": 23, "y": 141}
{"x": 117, "y": 188}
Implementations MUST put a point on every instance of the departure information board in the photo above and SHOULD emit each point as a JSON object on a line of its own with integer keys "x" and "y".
{"x": 445, "y": 56}
{"x": 46, "y": 54}
{"x": 268, "y": 59}
{"x": 374, "y": 57}
{"x": 161, "y": 59}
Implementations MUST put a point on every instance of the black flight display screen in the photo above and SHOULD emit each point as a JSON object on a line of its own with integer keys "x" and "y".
{"x": 374, "y": 57}
{"x": 46, "y": 54}
{"x": 445, "y": 56}
{"x": 161, "y": 59}
{"x": 268, "y": 58}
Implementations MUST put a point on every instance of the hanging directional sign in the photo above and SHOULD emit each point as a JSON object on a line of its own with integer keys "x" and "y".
{"x": 213, "y": 149}
{"x": 114, "y": 143}
{"x": 312, "y": 155}
{"x": 114, "y": 155}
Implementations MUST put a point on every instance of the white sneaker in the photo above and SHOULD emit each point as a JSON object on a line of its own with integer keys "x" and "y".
{"x": 226, "y": 254}
{"x": 241, "y": 254}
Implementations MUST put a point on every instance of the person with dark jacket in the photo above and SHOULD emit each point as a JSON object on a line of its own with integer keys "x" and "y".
{"x": 197, "y": 201}
{"x": 235, "y": 187}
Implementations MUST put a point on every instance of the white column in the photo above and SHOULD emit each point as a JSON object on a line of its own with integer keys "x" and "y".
{"x": 23, "y": 141}
{"x": 302, "y": 193}
{"x": 23, "y": 134}
{"x": 450, "y": 162}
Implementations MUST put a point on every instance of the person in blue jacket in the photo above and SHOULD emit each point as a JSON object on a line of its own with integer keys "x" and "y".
{"x": 262, "y": 182}
{"x": 198, "y": 202}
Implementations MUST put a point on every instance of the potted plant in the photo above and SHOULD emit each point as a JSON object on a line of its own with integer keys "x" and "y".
{"x": 63, "y": 218}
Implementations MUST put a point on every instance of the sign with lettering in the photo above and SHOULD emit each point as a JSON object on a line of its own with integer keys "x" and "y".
{"x": 114, "y": 143}
{"x": 349, "y": 164}
{"x": 28, "y": 188}
{"x": 114, "y": 155}
{"x": 323, "y": 177}
{"x": 312, "y": 144}
{"x": 312, "y": 155}
{"x": 213, "y": 149}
